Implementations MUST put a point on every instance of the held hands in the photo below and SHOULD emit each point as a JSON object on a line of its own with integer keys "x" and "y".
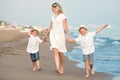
{"x": 44, "y": 38}
{"x": 70, "y": 40}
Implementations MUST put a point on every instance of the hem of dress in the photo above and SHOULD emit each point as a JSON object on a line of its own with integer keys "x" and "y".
{"x": 51, "y": 48}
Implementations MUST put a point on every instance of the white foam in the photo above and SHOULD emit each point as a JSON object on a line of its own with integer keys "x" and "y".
{"x": 116, "y": 43}
{"x": 116, "y": 77}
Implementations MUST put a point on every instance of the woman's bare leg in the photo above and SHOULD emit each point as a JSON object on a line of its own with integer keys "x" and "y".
{"x": 56, "y": 59}
{"x": 61, "y": 62}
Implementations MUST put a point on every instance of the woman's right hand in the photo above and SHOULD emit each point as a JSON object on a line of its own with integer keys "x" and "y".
{"x": 44, "y": 38}
{"x": 71, "y": 40}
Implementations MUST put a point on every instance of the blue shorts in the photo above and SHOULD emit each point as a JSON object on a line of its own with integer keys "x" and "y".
{"x": 34, "y": 56}
{"x": 88, "y": 57}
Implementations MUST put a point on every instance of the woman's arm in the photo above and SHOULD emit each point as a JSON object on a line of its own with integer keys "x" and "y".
{"x": 66, "y": 29}
{"x": 101, "y": 28}
{"x": 48, "y": 31}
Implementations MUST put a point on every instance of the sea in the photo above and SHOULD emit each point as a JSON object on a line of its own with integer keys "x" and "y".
{"x": 107, "y": 49}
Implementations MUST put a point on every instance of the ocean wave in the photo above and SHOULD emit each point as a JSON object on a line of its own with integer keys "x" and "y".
{"x": 116, "y": 43}
{"x": 117, "y": 77}
{"x": 106, "y": 41}
{"x": 109, "y": 58}
{"x": 99, "y": 39}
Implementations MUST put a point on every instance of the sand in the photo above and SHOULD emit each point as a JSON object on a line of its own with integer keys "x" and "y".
{"x": 15, "y": 63}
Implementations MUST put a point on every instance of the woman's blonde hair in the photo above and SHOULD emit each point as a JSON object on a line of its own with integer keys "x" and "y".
{"x": 58, "y": 7}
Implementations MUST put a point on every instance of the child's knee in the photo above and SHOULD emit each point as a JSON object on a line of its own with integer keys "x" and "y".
{"x": 87, "y": 62}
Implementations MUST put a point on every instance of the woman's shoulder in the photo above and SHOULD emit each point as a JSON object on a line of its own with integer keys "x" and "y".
{"x": 62, "y": 15}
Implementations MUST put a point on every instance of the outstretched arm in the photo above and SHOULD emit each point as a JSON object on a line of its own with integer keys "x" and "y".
{"x": 101, "y": 28}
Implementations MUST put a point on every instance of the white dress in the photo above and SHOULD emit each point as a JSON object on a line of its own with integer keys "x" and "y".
{"x": 57, "y": 34}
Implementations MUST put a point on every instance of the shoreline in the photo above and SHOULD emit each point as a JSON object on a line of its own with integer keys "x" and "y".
{"x": 15, "y": 63}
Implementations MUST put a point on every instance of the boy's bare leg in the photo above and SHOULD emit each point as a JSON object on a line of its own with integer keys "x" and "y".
{"x": 87, "y": 68}
{"x": 38, "y": 64}
{"x": 61, "y": 62}
{"x": 34, "y": 66}
{"x": 91, "y": 68}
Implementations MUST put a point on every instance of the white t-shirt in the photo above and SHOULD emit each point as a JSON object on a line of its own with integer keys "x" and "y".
{"x": 87, "y": 43}
{"x": 33, "y": 44}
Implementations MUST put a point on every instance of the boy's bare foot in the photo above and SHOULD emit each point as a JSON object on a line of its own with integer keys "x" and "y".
{"x": 56, "y": 71}
{"x": 92, "y": 72}
{"x": 34, "y": 69}
{"x": 87, "y": 75}
{"x": 39, "y": 68}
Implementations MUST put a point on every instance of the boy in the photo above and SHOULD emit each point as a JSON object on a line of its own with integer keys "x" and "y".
{"x": 86, "y": 40}
{"x": 33, "y": 48}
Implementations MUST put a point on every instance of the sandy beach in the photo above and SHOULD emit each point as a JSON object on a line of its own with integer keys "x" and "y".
{"x": 15, "y": 63}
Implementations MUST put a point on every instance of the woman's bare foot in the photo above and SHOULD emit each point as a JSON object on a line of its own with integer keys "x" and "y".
{"x": 62, "y": 70}
{"x": 58, "y": 71}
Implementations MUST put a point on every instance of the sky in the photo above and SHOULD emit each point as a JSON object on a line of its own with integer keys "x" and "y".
{"x": 38, "y": 12}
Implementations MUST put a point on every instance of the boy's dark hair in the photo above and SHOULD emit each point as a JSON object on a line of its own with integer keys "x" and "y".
{"x": 35, "y": 30}
{"x": 82, "y": 28}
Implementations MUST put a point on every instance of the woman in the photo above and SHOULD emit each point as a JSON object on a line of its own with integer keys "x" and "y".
{"x": 58, "y": 28}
